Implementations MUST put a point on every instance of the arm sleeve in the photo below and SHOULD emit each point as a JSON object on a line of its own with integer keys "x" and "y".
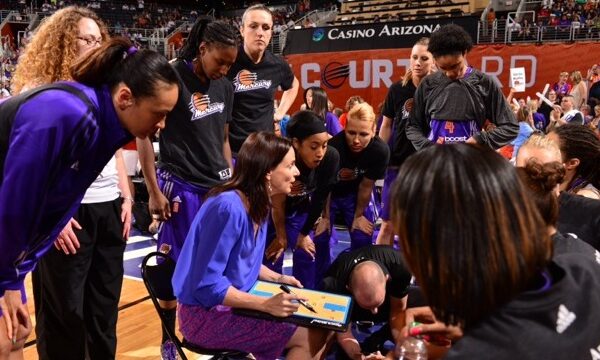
{"x": 287, "y": 76}
{"x": 379, "y": 162}
{"x": 417, "y": 128}
{"x": 499, "y": 114}
{"x": 212, "y": 237}
{"x": 36, "y": 152}
{"x": 228, "y": 102}
{"x": 388, "y": 106}
{"x": 324, "y": 186}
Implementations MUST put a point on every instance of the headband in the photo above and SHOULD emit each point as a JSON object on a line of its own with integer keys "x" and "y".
{"x": 306, "y": 127}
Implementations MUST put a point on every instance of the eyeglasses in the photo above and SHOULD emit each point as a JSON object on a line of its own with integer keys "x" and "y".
{"x": 90, "y": 41}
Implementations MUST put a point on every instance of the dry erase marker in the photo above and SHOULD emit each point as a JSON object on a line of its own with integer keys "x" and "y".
{"x": 302, "y": 302}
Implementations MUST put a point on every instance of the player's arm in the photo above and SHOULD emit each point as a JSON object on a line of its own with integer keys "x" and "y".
{"x": 158, "y": 203}
{"x": 385, "y": 132}
{"x": 227, "y": 148}
{"x": 397, "y": 316}
{"x": 360, "y": 222}
{"x": 279, "y": 244}
{"x": 499, "y": 113}
{"x": 348, "y": 342}
{"x": 287, "y": 99}
{"x": 417, "y": 128}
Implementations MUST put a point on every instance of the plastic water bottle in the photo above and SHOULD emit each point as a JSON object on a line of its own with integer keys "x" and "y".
{"x": 412, "y": 348}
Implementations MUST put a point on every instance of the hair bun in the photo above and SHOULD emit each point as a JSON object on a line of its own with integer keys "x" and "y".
{"x": 546, "y": 175}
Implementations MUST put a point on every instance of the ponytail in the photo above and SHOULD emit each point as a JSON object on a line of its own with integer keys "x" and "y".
{"x": 116, "y": 61}
{"x": 207, "y": 30}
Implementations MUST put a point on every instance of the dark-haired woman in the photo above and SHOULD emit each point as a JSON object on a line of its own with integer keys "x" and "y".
{"x": 295, "y": 214}
{"x": 580, "y": 149}
{"x": 194, "y": 146}
{"x": 542, "y": 181}
{"x": 489, "y": 270}
{"x": 222, "y": 258}
{"x": 256, "y": 75}
{"x": 453, "y": 104}
{"x": 315, "y": 99}
{"x": 88, "y": 258}
{"x": 121, "y": 93}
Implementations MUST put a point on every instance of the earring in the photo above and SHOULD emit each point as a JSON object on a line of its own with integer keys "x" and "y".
{"x": 269, "y": 186}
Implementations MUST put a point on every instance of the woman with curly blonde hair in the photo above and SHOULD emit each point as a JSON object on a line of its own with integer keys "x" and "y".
{"x": 57, "y": 43}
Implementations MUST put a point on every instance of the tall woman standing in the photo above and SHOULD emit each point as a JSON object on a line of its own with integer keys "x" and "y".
{"x": 256, "y": 75}
{"x": 397, "y": 107}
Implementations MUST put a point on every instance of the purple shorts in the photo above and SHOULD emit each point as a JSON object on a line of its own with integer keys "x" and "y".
{"x": 219, "y": 328}
{"x": 390, "y": 176}
{"x": 185, "y": 200}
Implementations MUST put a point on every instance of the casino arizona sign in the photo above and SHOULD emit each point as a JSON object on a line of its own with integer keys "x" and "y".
{"x": 387, "y": 30}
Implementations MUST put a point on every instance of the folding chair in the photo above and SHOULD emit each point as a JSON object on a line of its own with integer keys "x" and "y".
{"x": 157, "y": 279}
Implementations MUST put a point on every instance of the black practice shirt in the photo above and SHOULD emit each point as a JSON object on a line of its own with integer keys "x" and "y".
{"x": 389, "y": 259}
{"x": 254, "y": 88}
{"x": 370, "y": 163}
{"x": 191, "y": 144}
{"x": 397, "y": 106}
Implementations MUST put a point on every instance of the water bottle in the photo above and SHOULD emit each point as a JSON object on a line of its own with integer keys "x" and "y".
{"x": 412, "y": 348}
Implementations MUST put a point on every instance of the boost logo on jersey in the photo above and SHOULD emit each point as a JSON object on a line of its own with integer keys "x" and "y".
{"x": 248, "y": 81}
{"x": 201, "y": 107}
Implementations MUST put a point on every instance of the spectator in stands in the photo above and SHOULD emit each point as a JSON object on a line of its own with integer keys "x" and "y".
{"x": 256, "y": 75}
{"x": 315, "y": 99}
{"x": 562, "y": 87}
{"x": 452, "y": 104}
{"x": 579, "y": 91}
{"x": 350, "y": 103}
{"x": 565, "y": 113}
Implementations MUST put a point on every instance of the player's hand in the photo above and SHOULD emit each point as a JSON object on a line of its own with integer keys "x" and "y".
{"x": 290, "y": 280}
{"x": 323, "y": 226}
{"x": 374, "y": 356}
{"x": 126, "y": 217}
{"x": 159, "y": 206}
{"x": 305, "y": 243}
{"x": 429, "y": 324}
{"x": 363, "y": 224}
{"x": 281, "y": 305}
{"x": 19, "y": 327}
{"x": 276, "y": 249}
{"x": 67, "y": 241}
{"x": 471, "y": 140}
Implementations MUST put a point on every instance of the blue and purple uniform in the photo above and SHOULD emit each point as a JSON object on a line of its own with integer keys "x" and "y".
{"x": 191, "y": 152}
{"x": 369, "y": 163}
{"x": 56, "y": 148}
{"x": 303, "y": 207}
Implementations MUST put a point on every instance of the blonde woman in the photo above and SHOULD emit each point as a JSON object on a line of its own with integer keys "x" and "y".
{"x": 579, "y": 90}
{"x": 363, "y": 160}
{"x": 77, "y": 285}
